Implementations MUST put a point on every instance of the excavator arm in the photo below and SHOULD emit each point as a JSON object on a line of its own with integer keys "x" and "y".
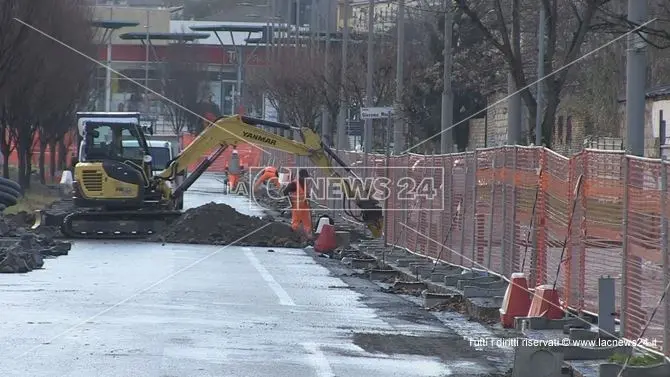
{"x": 230, "y": 131}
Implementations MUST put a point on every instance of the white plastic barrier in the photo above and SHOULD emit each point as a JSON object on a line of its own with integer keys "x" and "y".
{"x": 284, "y": 178}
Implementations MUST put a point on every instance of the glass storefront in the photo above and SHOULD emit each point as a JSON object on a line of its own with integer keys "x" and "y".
{"x": 128, "y": 91}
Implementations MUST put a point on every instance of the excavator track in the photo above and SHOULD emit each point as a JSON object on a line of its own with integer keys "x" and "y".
{"x": 116, "y": 224}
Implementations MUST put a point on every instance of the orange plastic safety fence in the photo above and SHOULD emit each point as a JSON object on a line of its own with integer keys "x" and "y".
{"x": 513, "y": 209}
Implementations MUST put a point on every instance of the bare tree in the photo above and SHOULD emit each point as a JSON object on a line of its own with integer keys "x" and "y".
{"x": 511, "y": 27}
{"x": 48, "y": 80}
{"x": 294, "y": 84}
{"x": 183, "y": 77}
{"x": 477, "y": 69}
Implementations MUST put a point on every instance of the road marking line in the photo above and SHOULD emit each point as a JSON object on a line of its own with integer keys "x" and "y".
{"x": 319, "y": 360}
{"x": 141, "y": 291}
{"x": 284, "y": 298}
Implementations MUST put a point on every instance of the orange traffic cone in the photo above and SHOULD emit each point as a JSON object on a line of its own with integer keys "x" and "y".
{"x": 546, "y": 303}
{"x": 516, "y": 302}
{"x": 326, "y": 241}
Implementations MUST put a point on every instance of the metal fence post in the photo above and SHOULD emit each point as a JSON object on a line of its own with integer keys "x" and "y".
{"x": 473, "y": 247}
{"x": 429, "y": 228}
{"x": 462, "y": 214}
{"x": 492, "y": 209}
{"x": 664, "y": 253}
{"x": 450, "y": 202}
{"x": 405, "y": 213}
{"x": 515, "y": 230}
{"x": 503, "y": 245}
{"x": 624, "y": 270}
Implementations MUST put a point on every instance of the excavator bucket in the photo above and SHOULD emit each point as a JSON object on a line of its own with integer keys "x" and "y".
{"x": 45, "y": 218}
{"x": 38, "y": 219}
{"x": 372, "y": 215}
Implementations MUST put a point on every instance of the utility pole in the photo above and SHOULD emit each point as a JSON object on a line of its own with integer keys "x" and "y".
{"x": 369, "y": 96}
{"x": 446, "y": 139}
{"x": 399, "y": 124}
{"x": 312, "y": 28}
{"x": 540, "y": 76}
{"x": 636, "y": 78}
{"x": 108, "y": 74}
{"x": 514, "y": 100}
{"x": 289, "y": 23}
{"x": 342, "y": 137}
{"x": 146, "y": 67}
{"x": 325, "y": 114}
{"x": 297, "y": 26}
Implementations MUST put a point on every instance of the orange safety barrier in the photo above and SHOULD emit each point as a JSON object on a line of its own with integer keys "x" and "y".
{"x": 482, "y": 210}
{"x": 69, "y": 141}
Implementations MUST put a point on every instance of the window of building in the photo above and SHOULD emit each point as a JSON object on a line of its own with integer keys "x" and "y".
{"x": 559, "y": 129}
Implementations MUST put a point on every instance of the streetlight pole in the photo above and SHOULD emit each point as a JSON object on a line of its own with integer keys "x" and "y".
{"x": 325, "y": 114}
{"x": 342, "y": 137}
{"x": 297, "y": 26}
{"x": 399, "y": 124}
{"x": 446, "y": 139}
{"x": 146, "y": 67}
{"x": 108, "y": 75}
{"x": 540, "y": 76}
{"x": 636, "y": 70}
{"x": 369, "y": 97}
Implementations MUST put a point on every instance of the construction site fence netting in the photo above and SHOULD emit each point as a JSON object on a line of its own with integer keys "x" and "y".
{"x": 523, "y": 209}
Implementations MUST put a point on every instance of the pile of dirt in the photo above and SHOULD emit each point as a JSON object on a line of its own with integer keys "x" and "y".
{"x": 281, "y": 207}
{"x": 22, "y": 222}
{"x": 456, "y": 304}
{"x": 220, "y": 224}
{"x": 28, "y": 253}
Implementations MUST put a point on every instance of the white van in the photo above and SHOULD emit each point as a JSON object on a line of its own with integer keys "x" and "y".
{"x": 161, "y": 152}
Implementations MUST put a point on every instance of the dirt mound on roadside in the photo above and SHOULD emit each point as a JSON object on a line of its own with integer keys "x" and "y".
{"x": 221, "y": 224}
{"x": 28, "y": 253}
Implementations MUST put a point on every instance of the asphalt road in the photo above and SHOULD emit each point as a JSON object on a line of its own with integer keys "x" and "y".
{"x": 139, "y": 309}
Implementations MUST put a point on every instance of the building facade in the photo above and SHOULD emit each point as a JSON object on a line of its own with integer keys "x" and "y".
{"x": 138, "y": 68}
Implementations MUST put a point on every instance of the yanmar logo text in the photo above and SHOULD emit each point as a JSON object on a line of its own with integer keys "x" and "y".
{"x": 260, "y": 138}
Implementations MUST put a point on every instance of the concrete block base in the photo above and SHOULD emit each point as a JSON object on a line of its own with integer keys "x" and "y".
{"x": 612, "y": 370}
{"x": 452, "y": 280}
{"x": 488, "y": 282}
{"x": 529, "y": 360}
{"x": 600, "y": 353}
{"x": 381, "y": 274}
{"x": 541, "y": 323}
{"x": 581, "y": 325}
{"x": 343, "y": 239}
{"x": 469, "y": 292}
{"x": 405, "y": 262}
{"x": 416, "y": 267}
{"x": 409, "y": 285}
{"x": 587, "y": 334}
{"x": 438, "y": 277}
{"x": 427, "y": 272}
{"x": 351, "y": 254}
{"x": 432, "y": 299}
{"x": 484, "y": 308}
{"x": 362, "y": 263}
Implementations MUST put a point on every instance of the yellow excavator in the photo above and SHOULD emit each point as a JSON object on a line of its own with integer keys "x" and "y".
{"x": 115, "y": 194}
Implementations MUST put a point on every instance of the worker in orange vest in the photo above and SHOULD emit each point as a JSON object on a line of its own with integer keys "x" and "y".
{"x": 269, "y": 174}
{"x": 300, "y": 211}
{"x": 234, "y": 170}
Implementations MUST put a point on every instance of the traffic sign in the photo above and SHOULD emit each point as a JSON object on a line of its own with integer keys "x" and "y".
{"x": 376, "y": 112}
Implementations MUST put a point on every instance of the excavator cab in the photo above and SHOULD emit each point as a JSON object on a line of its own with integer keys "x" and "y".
{"x": 107, "y": 175}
